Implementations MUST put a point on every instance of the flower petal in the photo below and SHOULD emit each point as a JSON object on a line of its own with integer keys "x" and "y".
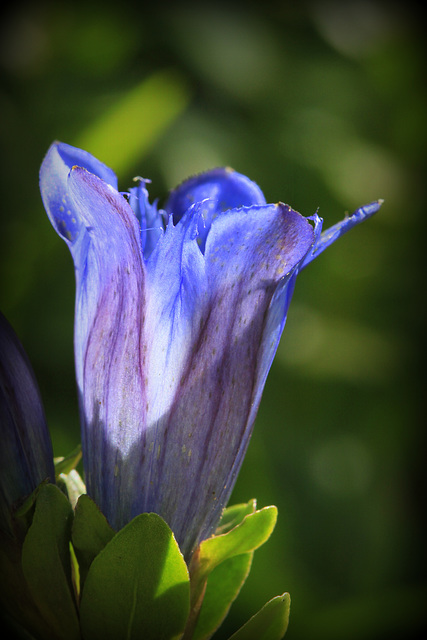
{"x": 59, "y": 159}
{"x": 26, "y": 457}
{"x": 219, "y": 367}
{"x": 109, "y": 322}
{"x": 337, "y": 230}
{"x": 219, "y": 189}
{"x": 150, "y": 219}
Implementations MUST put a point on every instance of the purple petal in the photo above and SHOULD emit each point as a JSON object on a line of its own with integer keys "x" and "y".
{"x": 150, "y": 219}
{"x": 214, "y": 335}
{"x": 59, "y": 159}
{"x": 109, "y": 323}
{"x": 337, "y": 230}
{"x": 26, "y": 457}
{"x": 219, "y": 190}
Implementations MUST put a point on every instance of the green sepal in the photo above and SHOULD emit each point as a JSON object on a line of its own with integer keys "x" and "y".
{"x": 270, "y": 623}
{"x": 46, "y": 563}
{"x": 137, "y": 586}
{"x": 89, "y": 535}
{"x": 222, "y": 589}
{"x": 69, "y": 462}
{"x": 253, "y": 530}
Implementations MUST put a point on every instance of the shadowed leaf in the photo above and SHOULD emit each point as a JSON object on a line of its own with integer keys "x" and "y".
{"x": 46, "y": 562}
{"x": 90, "y": 533}
{"x": 270, "y": 623}
{"x": 223, "y": 587}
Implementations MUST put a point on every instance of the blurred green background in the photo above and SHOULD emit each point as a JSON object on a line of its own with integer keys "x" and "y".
{"x": 323, "y": 104}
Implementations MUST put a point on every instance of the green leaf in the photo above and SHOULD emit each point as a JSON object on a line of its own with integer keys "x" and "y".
{"x": 251, "y": 533}
{"x": 75, "y": 571}
{"x": 226, "y": 580}
{"x": 23, "y": 516}
{"x": 46, "y": 562}
{"x": 232, "y": 516}
{"x": 270, "y": 623}
{"x": 223, "y": 586}
{"x": 137, "y": 586}
{"x": 15, "y": 597}
{"x": 90, "y": 533}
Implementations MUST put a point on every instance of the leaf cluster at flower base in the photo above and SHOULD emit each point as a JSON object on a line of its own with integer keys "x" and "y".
{"x": 68, "y": 575}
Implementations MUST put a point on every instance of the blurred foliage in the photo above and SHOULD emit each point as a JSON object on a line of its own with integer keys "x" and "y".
{"x": 323, "y": 104}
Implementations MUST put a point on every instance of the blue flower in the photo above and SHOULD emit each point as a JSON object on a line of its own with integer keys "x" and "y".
{"x": 179, "y": 312}
{"x": 26, "y": 457}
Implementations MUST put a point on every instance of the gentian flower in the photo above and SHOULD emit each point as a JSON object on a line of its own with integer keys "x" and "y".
{"x": 26, "y": 457}
{"x": 178, "y": 316}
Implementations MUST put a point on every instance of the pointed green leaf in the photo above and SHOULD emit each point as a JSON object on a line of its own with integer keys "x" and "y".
{"x": 90, "y": 533}
{"x": 46, "y": 562}
{"x": 251, "y": 533}
{"x": 232, "y": 516}
{"x": 75, "y": 572}
{"x": 137, "y": 586}
{"x": 270, "y": 623}
{"x": 223, "y": 586}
